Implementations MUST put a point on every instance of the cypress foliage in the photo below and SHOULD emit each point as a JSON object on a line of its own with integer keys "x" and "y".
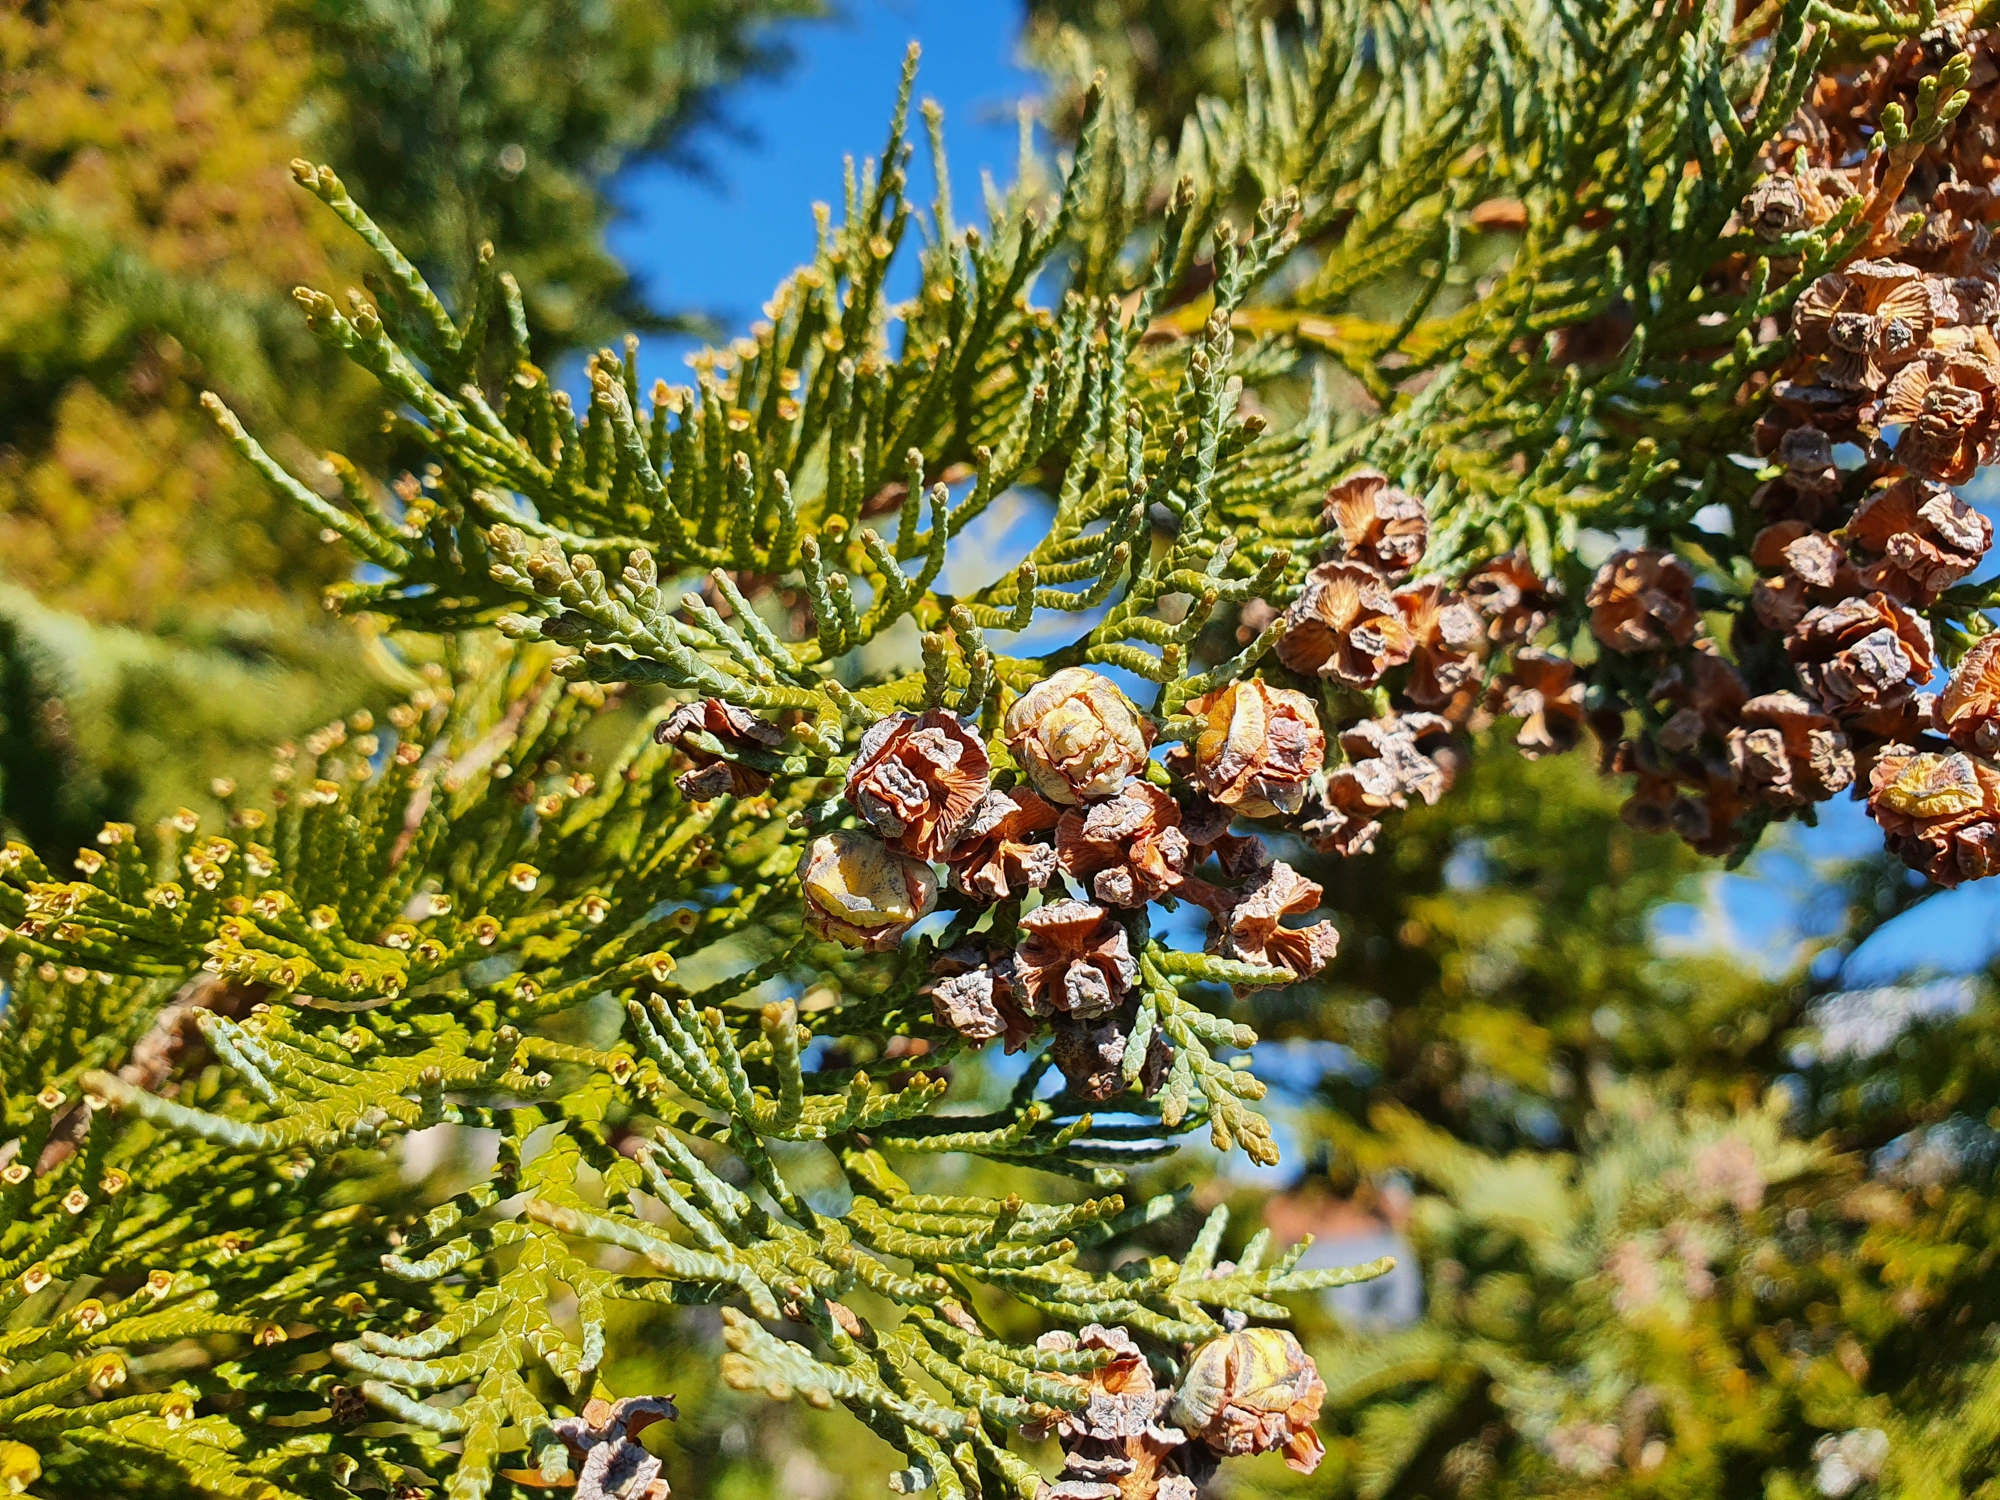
{"x": 1490, "y": 307}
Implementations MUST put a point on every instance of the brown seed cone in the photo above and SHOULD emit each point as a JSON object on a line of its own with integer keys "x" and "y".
{"x": 1252, "y": 930}
{"x": 1788, "y": 753}
{"x": 735, "y": 730}
{"x": 1545, "y": 694}
{"x": 1251, "y": 620}
{"x": 996, "y": 857}
{"x": 1939, "y": 813}
{"x": 1389, "y": 761}
{"x": 1446, "y": 633}
{"x": 1867, "y": 320}
{"x": 1206, "y": 823}
{"x": 1259, "y": 749}
{"x": 1077, "y": 736}
{"x": 916, "y": 778}
{"x": 1861, "y": 654}
{"x": 1515, "y": 600}
{"x": 1946, "y": 409}
{"x": 1922, "y": 538}
{"x": 1708, "y": 821}
{"x": 1810, "y": 569}
{"x": 1377, "y": 524}
{"x": 1775, "y": 208}
{"x": 1794, "y": 547}
{"x": 1643, "y": 601}
{"x": 860, "y": 892}
{"x": 1968, "y": 710}
{"x": 1654, "y": 787}
{"x": 1253, "y": 1391}
{"x": 1091, "y": 1055}
{"x": 1948, "y": 243}
{"x": 1796, "y": 404}
{"x": 971, "y": 993}
{"x": 1778, "y": 604}
{"x": 1118, "y": 1447}
{"x": 1907, "y": 723}
{"x": 1129, "y": 850}
{"x": 1970, "y": 348}
{"x": 1781, "y": 500}
{"x": 1807, "y": 454}
{"x": 1345, "y": 625}
{"x": 1709, "y": 694}
{"x": 603, "y": 1440}
{"x": 1966, "y": 301}
{"x": 1702, "y": 803}
{"x": 1075, "y": 960}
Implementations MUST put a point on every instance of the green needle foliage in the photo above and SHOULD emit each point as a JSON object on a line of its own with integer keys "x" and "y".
{"x": 424, "y": 922}
{"x": 628, "y": 887}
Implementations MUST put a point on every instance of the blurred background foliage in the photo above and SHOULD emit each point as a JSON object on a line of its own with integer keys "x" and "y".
{"x": 150, "y": 237}
{"x": 1639, "y": 1185}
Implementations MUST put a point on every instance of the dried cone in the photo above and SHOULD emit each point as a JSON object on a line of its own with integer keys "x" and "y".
{"x": 1811, "y": 569}
{"x": 973, "y": 996}
{"x": 1868, "y": 320}
{"x": 1861, "y": 655}
{"x": 1709, "y": 820}
{"x": 1377, "y": 523}
{"x": 1807, "y": 454}
{"x": 1698, "y": 800}
{"x": 1515, "y": 600}
{"x": 1206, "y": 823}
{"x": 1968, "y": 710}
{"x": 1129, "y": 850}
{"x": 1075, "y": 960}
{"x": 1252, "y": 620}
{"x": 604, "y": 1440}
{"x": 1259, "y": 749}
{"x": 916, "y": 779}
{"x": 1116, "y": 1447}
{"x": 1966, "y": 301}
{"x": 862, "y": 893}
{"x": 1795, "y": 404}
{"x": 1776, "y": 208}
{"x": 1710, "y": 694}
{"x": 1389, "y": 761}
{"x": 1252, "y": 930}
{"x": 1923, "y": 538}
{"x": 1545, "y": 694}
{"x": 1254, "y": 1391}
{"x": 1091, "y": 1055}
{"x": 1445, "y": 632}
{"x": 1945, "y": 408}
{"x": 1077, "y": 736}
{"x": 1939, "y": 813}
{"x": 996, "y": 858}
{"x": 1947, "y": 241}
{"x": 1345, "y": 625}
{"x": 1643, "y": 601}
{"x": 1787, "y": 753}
{"x": 735, "y": 730}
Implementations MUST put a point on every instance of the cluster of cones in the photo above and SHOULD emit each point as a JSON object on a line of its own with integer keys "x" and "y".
{"x": 1819, "y": 681}
{"x": 1085, "y": 819}
{"x": 1891, "y": 397}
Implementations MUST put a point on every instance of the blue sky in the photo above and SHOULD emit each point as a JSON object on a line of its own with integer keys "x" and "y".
{"x": 755, "y": 225}
{"x": 755, "y": 212}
